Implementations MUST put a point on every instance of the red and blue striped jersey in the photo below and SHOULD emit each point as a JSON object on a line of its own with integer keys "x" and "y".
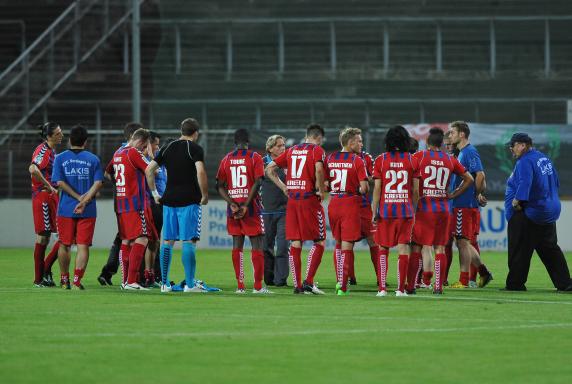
{"x": 344, "y": 171}
{"x": 43, "y": 157}
{"x": 434, "y": 174}
{"x": 239, "y": 170}
{"x": 396, "y": 171}
{"x": 300, "y": 164}
{"x": 128, "y": 168}
{"x": 368, "y": 160}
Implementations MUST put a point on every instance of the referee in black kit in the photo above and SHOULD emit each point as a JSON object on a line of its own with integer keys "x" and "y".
{"x": 532, "y": 207}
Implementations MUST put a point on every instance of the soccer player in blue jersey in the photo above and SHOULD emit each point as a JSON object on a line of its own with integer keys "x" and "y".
{"x": 466, "y": 206}
{"x": 79, "y": 176}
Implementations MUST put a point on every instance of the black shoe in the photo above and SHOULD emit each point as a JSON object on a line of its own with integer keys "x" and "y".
{"x": 48, "y": 280}
{"x": 76, "y": 287}
{"x": 298, "y": 291}
{"x": 65, "y": 285}
{"x": 353, "y": 281}
{"x": 437, "y": 292}
{"x": 484, "y": 280}
{"x": 523, "y": 288}
{"x": 446, "y": 283}
{"x": 568, "y": 289}
{"x": 104, "y": 280}
{"x": 411, "y": 291}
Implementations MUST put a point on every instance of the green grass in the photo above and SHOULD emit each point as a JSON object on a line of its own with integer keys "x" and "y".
{"x": 105, "y": 335}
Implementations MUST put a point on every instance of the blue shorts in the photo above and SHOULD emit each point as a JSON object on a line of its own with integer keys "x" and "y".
{"x": 182, "y": 223}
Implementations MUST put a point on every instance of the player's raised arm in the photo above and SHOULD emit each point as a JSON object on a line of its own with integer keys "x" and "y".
{"x": 203, "y": 181}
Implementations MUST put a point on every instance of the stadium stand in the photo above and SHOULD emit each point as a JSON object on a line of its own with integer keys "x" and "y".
{"x": 278, "y": 65}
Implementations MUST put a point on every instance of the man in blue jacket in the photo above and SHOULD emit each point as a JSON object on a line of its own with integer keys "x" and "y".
{"x": 532, "y": 207}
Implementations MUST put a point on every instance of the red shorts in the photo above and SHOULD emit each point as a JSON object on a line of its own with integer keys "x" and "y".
{"x": 344, "y": 216}
{"x": 44, "y": 209}
{"x": 393, "y": 231}
{"x": 252, "y": 225}
{"x": 136, "y": 224}
{"x": 76, "y": 230}
{"x": 365, "y": 221}
{"x": 431, "y": 228}
{"x": 305, "y": 220}
{"x": 466, "y": 222}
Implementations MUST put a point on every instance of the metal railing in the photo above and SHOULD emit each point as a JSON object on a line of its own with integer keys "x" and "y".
{"x": 384, "y": 23}
{"x": 27, "y": 83}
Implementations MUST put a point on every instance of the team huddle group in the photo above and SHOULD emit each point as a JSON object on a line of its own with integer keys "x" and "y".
{"x": 421, "y": 203}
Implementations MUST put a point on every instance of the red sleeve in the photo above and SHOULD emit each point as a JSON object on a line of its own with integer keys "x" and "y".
{"x": 41, "y": 156}
{"x": 221, "y": 173}
{"x": 416, "y": 162}
{"x": 258, "y": 164}
{"x": 377, "y": 167}
{"x": 369, "y": 164}
{"x": 282, "y": 160}
{"x": 457, "y": 166}
{"x": 360, "y": 168}
{"x": 319, "y": 154}
{"x": 137, "y": 159}
{"x": 109, "y": 167}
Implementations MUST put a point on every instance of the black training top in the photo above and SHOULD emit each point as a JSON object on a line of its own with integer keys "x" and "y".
{"x": 179, "y": 158}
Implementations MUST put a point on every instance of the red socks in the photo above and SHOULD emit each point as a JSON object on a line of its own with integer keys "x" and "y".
{"x": 351, "y": 267}
{"x": 382, "y": 268}
{"x": 449, "y": 256}
{"x": 337, "y": 265}
{"x": 296, "y": 266}
{"x": 440, "y": 266}
{"x": 374, "y": 254}
{"x": 135, "y": 257}
{"x": 39, "y": 252}
{"x": 412, "y": 270}
{"x": 258, "y": 264}
{"x": 427, "y": 276}
{"x": 77, "y": 276}
{"x": 402, "y": 271}
{"x": 52, "y": 257}
{"x": 473, "y": 273}
{"x": 464, "y": 278}
{"x": 124, "y": 252}
{"x": 237, "y": 263}
{"x": 347, "y": 257}
{"x": 314, "y": 260}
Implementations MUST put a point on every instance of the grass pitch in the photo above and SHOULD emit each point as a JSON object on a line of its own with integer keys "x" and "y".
{"x": 104, "y": 335}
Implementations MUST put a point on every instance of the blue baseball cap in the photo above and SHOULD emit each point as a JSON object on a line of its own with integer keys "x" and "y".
{"x": 519, "y": 137}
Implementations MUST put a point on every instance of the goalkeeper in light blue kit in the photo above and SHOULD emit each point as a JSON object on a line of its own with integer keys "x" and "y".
{"x": 185, "y": 192}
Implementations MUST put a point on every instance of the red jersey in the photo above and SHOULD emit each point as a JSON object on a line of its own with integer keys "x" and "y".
{"x": 239, "y": 169}
{"x": 434, "y": 173}
{"x": 344, "y": 171}
{"x": 396, "y": 171}
{"x": 128, "y": 168}
{"x": 43, "y": 157}
{"x": 300, "y": 164}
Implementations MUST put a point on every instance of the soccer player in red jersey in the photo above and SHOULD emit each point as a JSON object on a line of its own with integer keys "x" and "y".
{"x": 393, "y": 201}
{"x": 347, "y": 179}
{"x": 45, "y": 202}
{"x": 238, "y": 178}
{"x": 433, "y": 208}
{"x": 367, "y": 230}
{"x": 134, "y": 216}
{"x": 305, "y": 218}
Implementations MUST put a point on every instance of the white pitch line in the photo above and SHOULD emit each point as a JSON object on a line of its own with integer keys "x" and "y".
{"x": 310, "y": 332}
